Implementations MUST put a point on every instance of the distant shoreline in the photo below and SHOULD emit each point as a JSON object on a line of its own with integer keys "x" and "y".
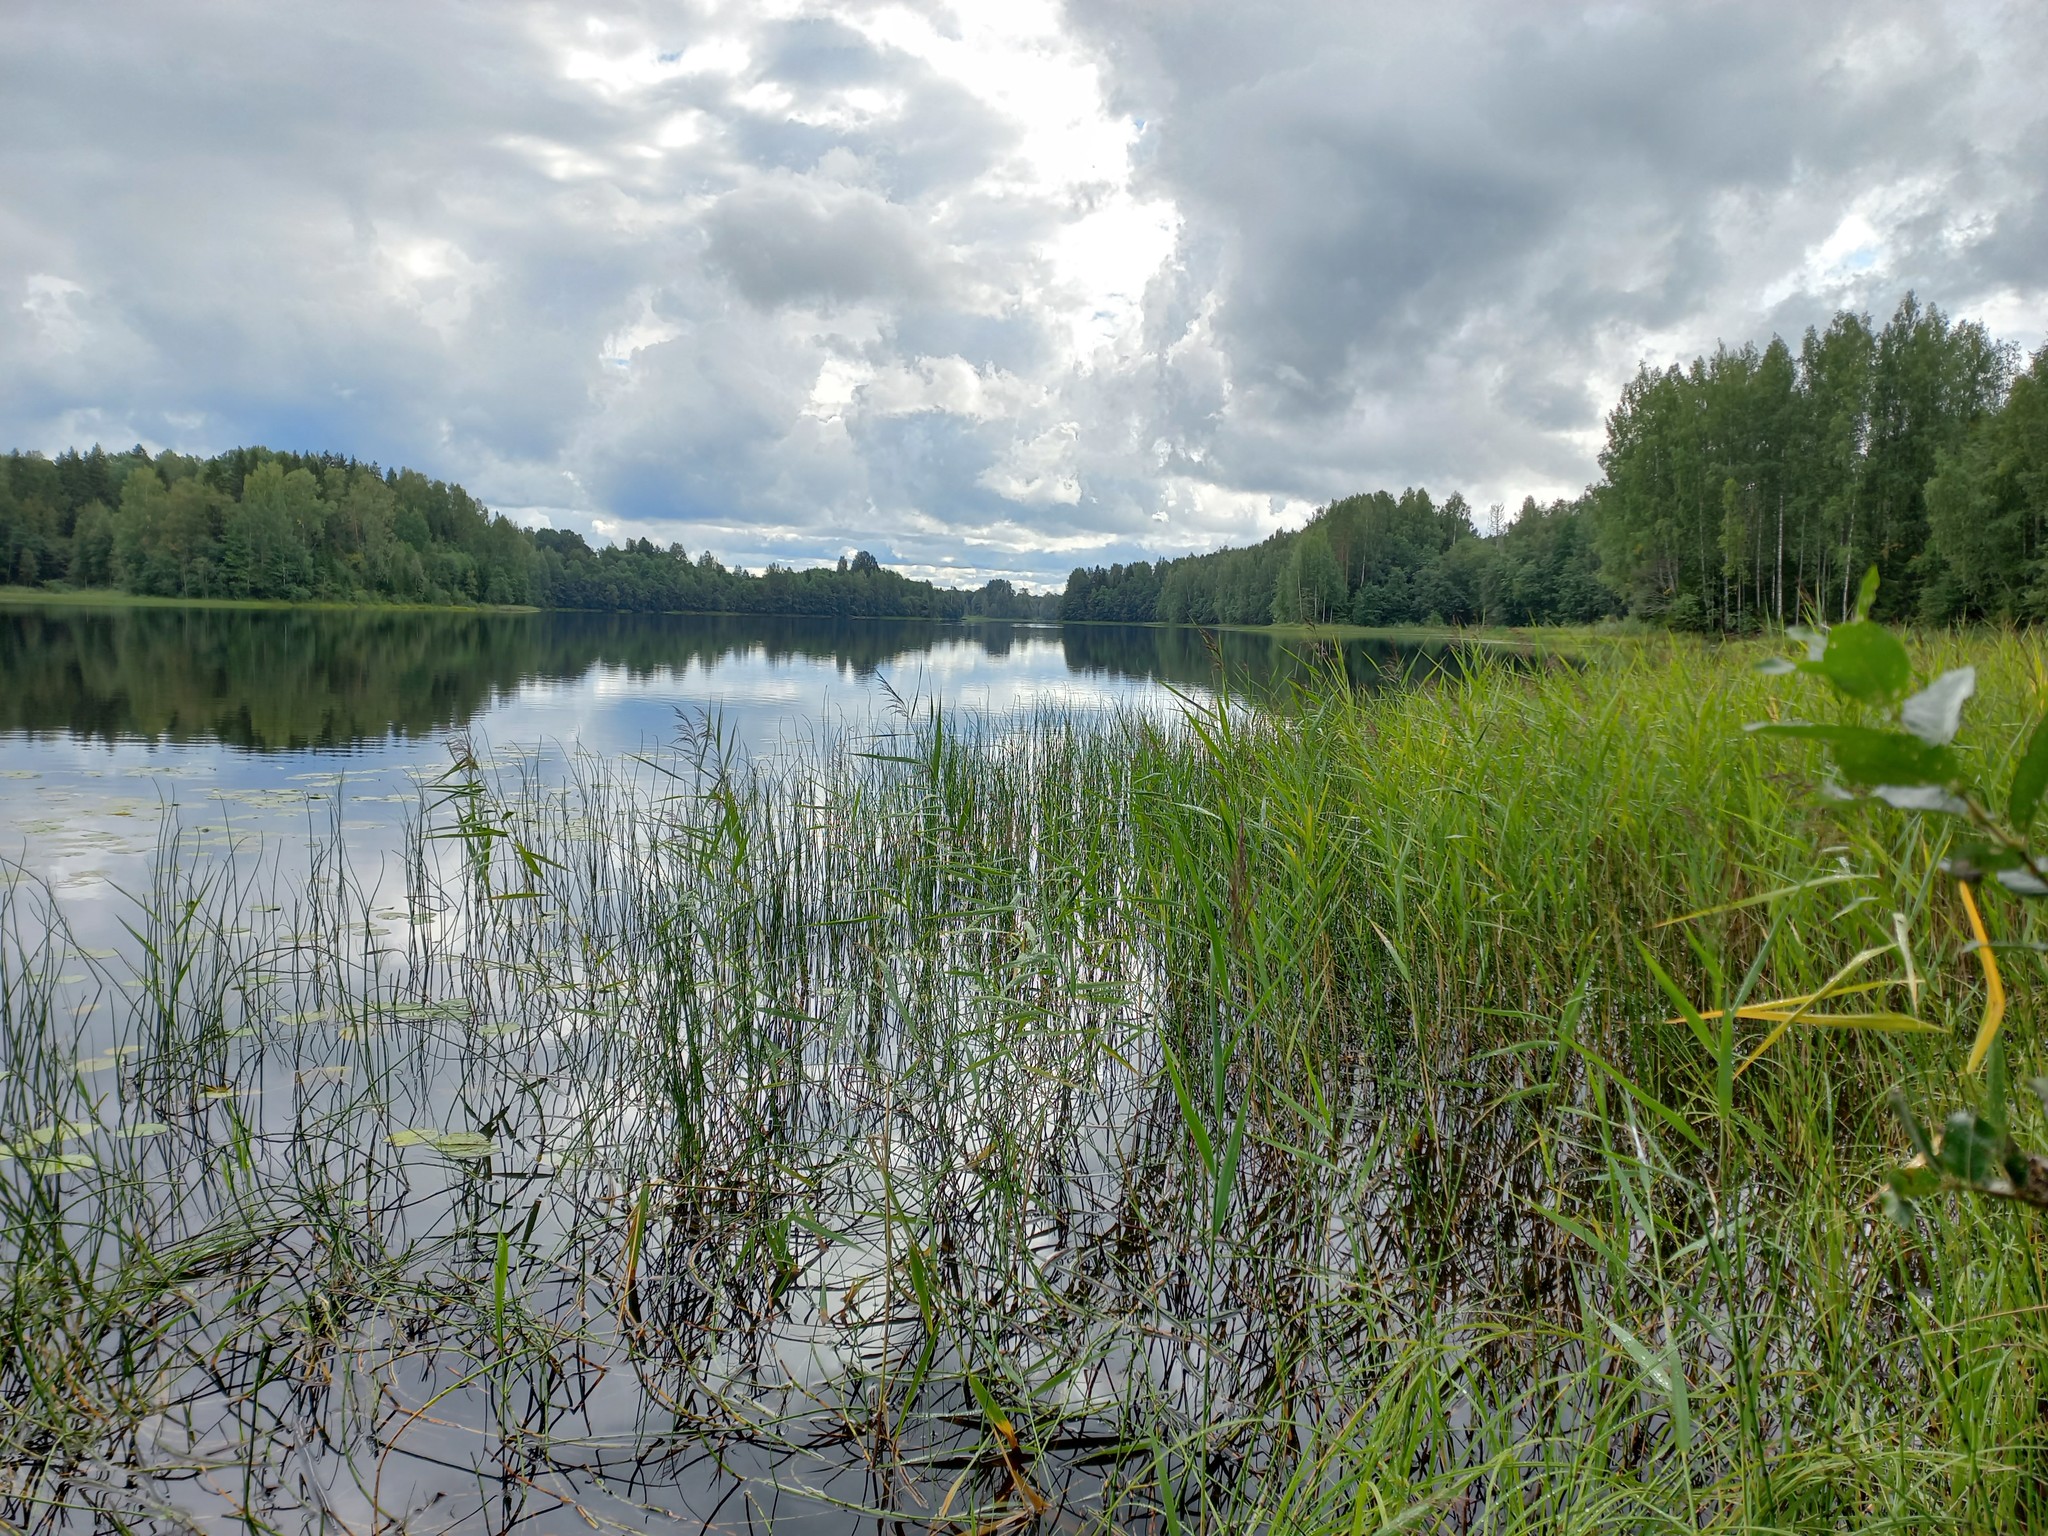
{"x": 15, "y": 596}
{"x": 113, "y": 597}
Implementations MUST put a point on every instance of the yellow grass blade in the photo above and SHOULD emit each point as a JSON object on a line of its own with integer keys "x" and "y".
{"x": 1752, "y": 901}
{"x": 1778, "y": 1010}
{"x": 1829, "y": 989}
{"x": 1994, "y": 984}
{"x": 1893, "y": 1023}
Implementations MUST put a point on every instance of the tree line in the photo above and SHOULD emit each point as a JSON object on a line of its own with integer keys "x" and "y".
{"x": 253, "y": 523}
{"x": 1749, "y": 488}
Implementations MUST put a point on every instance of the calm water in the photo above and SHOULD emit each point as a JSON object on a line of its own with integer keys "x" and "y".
{"x": 259, "y": 727}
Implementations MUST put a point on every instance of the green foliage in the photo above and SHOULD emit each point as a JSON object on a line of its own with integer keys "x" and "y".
{"x": 1738, "y": 492}
{"x": 1371, "y": 560}
{"x": 256, "y": 524}
{"x": 1754, "y": 485}
{"x": 1916, "y": 768}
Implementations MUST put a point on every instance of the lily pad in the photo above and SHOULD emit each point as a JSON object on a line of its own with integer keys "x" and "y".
{"x": 33, "y": 1141}
{"x": 59, "y": 1162}
{"x": 462, "y": 1144}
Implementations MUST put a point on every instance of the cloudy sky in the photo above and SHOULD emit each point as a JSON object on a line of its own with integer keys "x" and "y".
{"x": 996, "y": 287}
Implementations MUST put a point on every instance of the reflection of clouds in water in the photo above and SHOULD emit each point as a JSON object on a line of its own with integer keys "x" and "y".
{"x": 75, "y": 812}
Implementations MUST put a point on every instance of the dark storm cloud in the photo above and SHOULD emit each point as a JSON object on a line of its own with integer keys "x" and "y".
{"x": 912, "y": 278}
{"x": 793, "y": 244}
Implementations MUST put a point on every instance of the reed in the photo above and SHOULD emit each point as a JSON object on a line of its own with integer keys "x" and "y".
{"x": 1270, "y": 1121}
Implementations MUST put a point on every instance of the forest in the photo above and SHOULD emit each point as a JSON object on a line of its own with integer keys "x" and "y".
{"x": 1740, "y": 491}
{"x": 1737, "y": 492}
{"x": 252, "y": 523}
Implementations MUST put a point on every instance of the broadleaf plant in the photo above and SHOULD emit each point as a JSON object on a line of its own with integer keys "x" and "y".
{"x": 1906, "y": 759}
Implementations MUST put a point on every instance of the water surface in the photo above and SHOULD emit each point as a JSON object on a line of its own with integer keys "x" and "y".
{"x": 252, "y": 723}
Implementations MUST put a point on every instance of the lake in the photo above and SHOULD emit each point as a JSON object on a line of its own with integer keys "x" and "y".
{"x": 246, "y": 722}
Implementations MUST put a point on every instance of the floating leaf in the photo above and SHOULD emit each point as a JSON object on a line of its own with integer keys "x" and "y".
{"x": 463, "y": 1144}
{"x": 144, "y": 1129}
{"x": 59, "y": 1162}
{"x": 48, "y": 1136}
{"x": 453, "y": 1009}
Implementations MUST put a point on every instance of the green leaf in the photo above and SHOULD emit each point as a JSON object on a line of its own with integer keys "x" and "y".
{"x": 1970, "y": 1148}
{"x": 1226, "y": 1172}
{"x": 1193, "y": 1120}
{"x": 1869, "y": 758}
{"x": 1914, "y": 1133}
{"x": 1915, "y": 1183}
{"x": 1935, "y": 713}
{"x": 1995, "y": 1089}
{"x": 501, "y": 1272}
{"x": 1865, "y": 662}
{"x": 2029, "y": 779}
{"x": 1898, "y": 1210}
{"x": 998, "y": 1420}
{"x": 1665, "y": 1373}
{"x": 1866, "y": 593}
{"x": 1973, "y": 858}
{"x": 1922, "y": 797}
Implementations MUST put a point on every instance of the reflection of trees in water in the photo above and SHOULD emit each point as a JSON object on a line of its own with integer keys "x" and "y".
{"x": 1252, "y": 663}
{"x": 274, "y": 680}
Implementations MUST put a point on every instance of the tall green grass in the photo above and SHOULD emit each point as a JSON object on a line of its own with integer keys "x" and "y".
{"x": 1267, "y": 1121}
